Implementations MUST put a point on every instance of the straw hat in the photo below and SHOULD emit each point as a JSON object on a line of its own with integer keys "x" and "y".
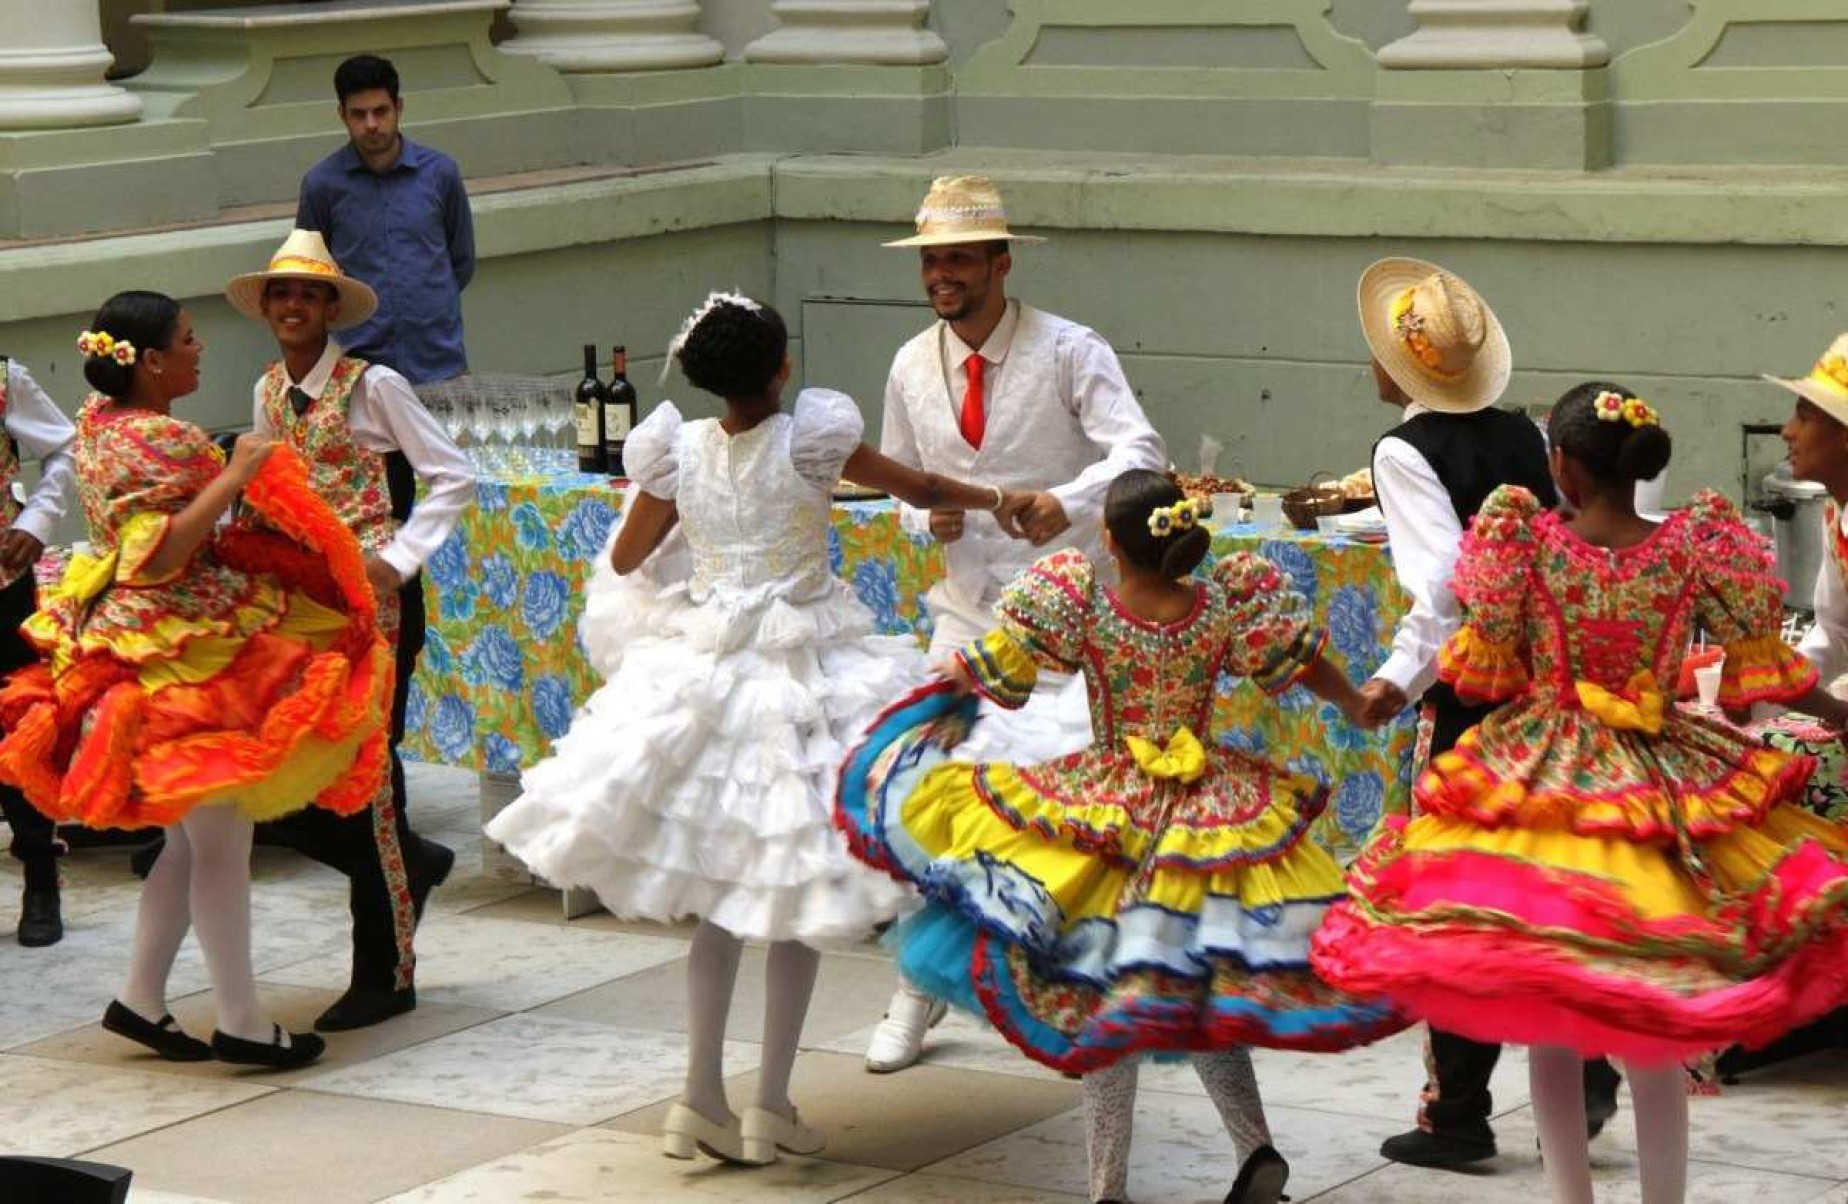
{"x": 1827, "y": 384}
{"x": 961, "y": 209}
{"x": 304, "y": 256}
{"x": 1435, "y": 337}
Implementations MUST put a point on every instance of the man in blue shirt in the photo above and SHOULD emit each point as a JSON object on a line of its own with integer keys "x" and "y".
{"x": 395, "y": 215}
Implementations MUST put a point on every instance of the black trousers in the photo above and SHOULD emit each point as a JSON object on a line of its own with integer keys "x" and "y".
{"x": 374, "y": 848}
{"x": 34, "y": 838}
{"x": 1456, "y": 1100}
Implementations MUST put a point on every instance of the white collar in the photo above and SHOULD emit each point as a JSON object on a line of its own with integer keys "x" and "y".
{"x": 1413, "y": 410}
{"x": 1000, "y": 340}
{"x": 315, "y": 383}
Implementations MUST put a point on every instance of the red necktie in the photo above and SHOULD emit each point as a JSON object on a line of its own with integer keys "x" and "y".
{"x": 972, "y": 420}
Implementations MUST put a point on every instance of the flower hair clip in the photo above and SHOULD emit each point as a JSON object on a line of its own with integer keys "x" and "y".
{"x": 712, "y": 302}
{"x": 100, "y": 344}
{"x": 1615, "y": 407}
{"x": 1166, "y": 520}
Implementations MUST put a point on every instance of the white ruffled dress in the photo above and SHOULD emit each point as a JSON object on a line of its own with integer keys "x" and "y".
{"x": 698, "y": 780}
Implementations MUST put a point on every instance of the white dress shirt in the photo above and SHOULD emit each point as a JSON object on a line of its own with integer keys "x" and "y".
{"x": 386, "y": 416}
{"x": 43, "y": 434}
{"x": 1421, "y": 523}
{"x": 1826, "y": 645}
{"x": 1060, "y": 417}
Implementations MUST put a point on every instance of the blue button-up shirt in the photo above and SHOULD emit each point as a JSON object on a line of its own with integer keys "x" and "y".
{"x": 407, "y": 233}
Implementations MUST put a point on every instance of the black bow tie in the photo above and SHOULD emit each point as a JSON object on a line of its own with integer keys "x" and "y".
{"x": 299, "y": 401}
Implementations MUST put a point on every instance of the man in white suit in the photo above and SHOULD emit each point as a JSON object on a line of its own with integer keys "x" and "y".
{"x": 1000, "y": 391}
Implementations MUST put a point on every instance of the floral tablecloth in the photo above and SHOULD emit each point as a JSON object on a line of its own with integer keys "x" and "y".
{"x": 501, "y": 673}
{"x": 1355, "y": 595}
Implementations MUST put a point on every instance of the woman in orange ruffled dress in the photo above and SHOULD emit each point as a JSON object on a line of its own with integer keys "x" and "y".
{"x": 1594, "y": 871}
{"x": 194, "y": 678}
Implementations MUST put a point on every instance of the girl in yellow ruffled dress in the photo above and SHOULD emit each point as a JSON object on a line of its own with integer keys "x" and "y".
{"x": 1151, "y": 893}
{"x": 194, "y": 679}
{"x": 1594, "y": 871}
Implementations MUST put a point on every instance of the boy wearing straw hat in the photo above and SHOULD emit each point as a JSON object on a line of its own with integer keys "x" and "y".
{"x": 346, "y": 418}
{"x": 997, "y": 390}
{"x": 1441, "y": 357}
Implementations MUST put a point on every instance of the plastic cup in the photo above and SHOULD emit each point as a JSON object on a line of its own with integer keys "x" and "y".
{"x": 1226, "y": 507}
{"x": 1267, "y": 510}
{"x": 1326, "y": 524}
{"x": 1707, "y": 683}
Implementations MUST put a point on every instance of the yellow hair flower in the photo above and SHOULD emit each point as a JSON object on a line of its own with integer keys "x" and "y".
{"x": 1165, "y": 520}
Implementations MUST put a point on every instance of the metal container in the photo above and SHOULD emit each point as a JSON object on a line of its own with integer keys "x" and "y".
{"x": 1797, "y": 510}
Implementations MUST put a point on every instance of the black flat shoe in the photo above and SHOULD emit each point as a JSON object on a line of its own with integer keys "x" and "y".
{"x": 142, "y": 860}
{"x": 433, "y": 866}
{"x": 362, "y": 1007}
{"x": 165, "y": 1038}
{"x": 41, "y": 917}
{"x": 302, "y": 1049}
{"x": 1261, "y": 1179}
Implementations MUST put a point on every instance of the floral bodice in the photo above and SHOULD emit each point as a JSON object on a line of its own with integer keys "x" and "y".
{"x": 755, "y": 506}
{"x": 1603, "y": 628}
{"x": 1148, "y": 679}
{"x": 135, "y": 470}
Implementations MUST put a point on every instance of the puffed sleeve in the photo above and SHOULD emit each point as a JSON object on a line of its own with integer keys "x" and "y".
{"x": 651, "y": 454}
{"x": 1045, "y": 613}
{"x": 1741, "y": 604}
{"x": 827, "y": 428}
{"x": 1486, "y": 660}
{"x": 1274, "y": 637}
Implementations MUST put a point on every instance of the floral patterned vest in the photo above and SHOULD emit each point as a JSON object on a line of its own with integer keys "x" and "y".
{"x": 9, "y": 453}
{"x": 350, "y": 477}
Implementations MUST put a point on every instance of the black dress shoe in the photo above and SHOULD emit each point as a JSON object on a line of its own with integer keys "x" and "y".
{"x": 302, "y": 1049}
{"x": 432, "y": 870}
{"x": 41, "y": 918}
{"x": 164, "y": 1037}
{"x": 1437, "y": 1151}
{"x": 1261, "y": 1179}
{"x": 361, "y": 1007}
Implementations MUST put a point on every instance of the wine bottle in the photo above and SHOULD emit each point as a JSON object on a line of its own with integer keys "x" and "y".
{"x": 618, "y": 411}
{"x": 588, "y": 405}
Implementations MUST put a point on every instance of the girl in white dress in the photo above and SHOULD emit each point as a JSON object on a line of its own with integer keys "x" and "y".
{"x": 698, "y": 780}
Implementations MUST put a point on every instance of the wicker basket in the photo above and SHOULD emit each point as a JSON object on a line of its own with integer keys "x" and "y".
{"x": 1319, "y": 497}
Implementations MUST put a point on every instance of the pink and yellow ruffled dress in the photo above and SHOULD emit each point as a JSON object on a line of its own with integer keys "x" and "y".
{"x": 253, "y": 675}
{"x": 1150, "y": 893}
{"x": 1592, "y": 867}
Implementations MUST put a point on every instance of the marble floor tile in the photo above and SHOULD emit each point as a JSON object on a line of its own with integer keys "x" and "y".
{"x": 959, "y": 1042}
{"x": 595, "y": 1166}
{"x": 847, "y": 991}
{"x": 1180, "y": 1152}
{"x": 941, "y": 1189}
{"x": 543, "y": 905}
{"x": 503, "y": 965}
{"x": 902, "y": 1121}
{"x": 138, "y": 1196}
{"x": 534, "y": 1067}
{"x": 302, "y": 1147}
{"x": 295, "y": 1008}
{"x": 65, "y": 986}
{"x": 61, "y": 1109}
{"x": 1784, "y": 1117}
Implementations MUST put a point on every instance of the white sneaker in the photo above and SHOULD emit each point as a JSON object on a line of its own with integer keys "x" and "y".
{"x": 899, "y": 1039}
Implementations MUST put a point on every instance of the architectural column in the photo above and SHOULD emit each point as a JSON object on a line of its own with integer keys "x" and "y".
{"x": 52, "y": 62}
{"x": 612, "y": 35}
{"x": 875, "y": 32}
{"x": 1495, "y": 83}
{"x": 1498, "y": 33}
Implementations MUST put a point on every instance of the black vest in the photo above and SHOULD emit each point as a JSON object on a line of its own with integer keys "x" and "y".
{"x": 1473, "y": 454}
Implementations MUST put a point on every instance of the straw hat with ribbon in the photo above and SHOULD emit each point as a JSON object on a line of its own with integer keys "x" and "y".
{"x": 1435, "y": 337}
{"x": 304, "y": 256}
{"x": 1827, "y": 384}
{"x": 961, "y": 209}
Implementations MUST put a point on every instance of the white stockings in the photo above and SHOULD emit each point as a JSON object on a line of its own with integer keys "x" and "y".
{"x": 1661, "y": 1105}
{"x": 712, "y": 971}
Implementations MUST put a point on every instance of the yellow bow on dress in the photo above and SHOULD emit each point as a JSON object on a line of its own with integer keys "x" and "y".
{"x": 1183, "y": 759}
{"x": 1638, "y": 708}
